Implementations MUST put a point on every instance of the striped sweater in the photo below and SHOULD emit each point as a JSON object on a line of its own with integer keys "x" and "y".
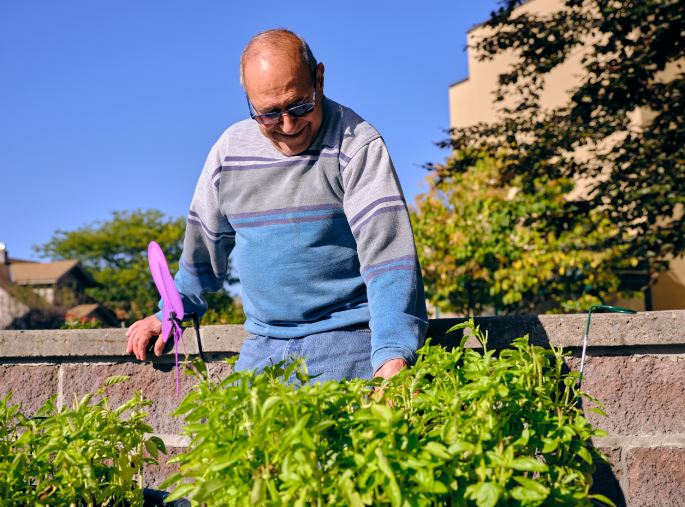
{"x": 320, "y": 240}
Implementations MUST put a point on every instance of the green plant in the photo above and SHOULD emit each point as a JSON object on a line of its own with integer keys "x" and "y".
{"x": 222, "y": 309}
{"x": 88, "y": 454}
{"x": 461, "y": 427}
{"x": 484, "y": 245}
{"x": 83, "y": 323}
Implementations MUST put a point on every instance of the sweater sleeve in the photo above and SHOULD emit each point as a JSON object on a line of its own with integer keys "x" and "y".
{"x": 378, "y": 216}
{"x": 209, "y": 239}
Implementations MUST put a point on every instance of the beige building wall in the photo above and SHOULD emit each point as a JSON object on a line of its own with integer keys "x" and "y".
{"x": 472, "y": 100}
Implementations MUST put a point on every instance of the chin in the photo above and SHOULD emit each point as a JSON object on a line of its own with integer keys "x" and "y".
{"x": 290, "y": 149}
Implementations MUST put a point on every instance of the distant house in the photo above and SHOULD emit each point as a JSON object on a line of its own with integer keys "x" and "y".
{"x": 60, "y": 283}
{"x": 92, "y": 311}
{"x": 10, "y": 308}
{"x": 44, "y": 294}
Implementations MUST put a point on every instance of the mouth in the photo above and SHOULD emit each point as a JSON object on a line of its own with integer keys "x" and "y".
{"x": 292, "y": 136}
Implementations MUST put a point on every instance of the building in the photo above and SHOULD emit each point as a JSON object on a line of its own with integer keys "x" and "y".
{"x": 11, "y": 309}
{"x": 60, "y": 283}
{"x": 471, "y": 100}
{"x": 43, "y": 294}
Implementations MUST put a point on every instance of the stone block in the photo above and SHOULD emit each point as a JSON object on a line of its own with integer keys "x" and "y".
{"x": 656, "y": 477}
{"x": 108, "y": 343}
{"x": 31, "y": 384}
{"x": 607, "y": 477}
{"x": 608, "y": 329}
{"x": 155, "y": 475}
{"x": 642, "y": 394}
{"x": 662, "y": 328}
{"x": 157, "y": 381}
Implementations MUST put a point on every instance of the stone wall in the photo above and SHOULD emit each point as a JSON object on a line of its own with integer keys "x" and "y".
{"x": 635, "y": 365}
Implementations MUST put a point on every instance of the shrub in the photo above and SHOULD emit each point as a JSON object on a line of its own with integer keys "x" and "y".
{"x": 461, "y": 427}
{"x": 82, "y": 323}
{"x": 89, "y": 454}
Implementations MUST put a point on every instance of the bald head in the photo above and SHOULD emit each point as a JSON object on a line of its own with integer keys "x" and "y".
{"x": 277, "y": 44}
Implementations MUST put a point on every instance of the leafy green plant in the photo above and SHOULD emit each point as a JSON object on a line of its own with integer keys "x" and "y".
{"x": 461, "y": 427}
{"x": 87, "y": 454}
{"x": 83, "y": 323}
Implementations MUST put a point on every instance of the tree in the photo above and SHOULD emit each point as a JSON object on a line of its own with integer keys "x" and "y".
{"x": 486, "y": 246}
{"x": 114, "y": 252}
{"x": 633, "y": 63}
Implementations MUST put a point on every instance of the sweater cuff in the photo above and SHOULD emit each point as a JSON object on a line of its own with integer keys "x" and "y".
{"x": 381, "y": 356}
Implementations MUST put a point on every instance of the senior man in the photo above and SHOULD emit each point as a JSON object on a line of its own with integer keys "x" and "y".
{"x": 305, "y": 196}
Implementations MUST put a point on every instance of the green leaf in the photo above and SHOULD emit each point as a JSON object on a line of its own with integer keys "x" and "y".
{"x": 585, "y": 454}
{"x": 533, "y": 489}
{"x": 115, "y": 379}
{"x": 528, "y": 464}
{"x": 527, "y": 496}
{"x": 171, "y": 480}
{"x": 382, "y": 411}
{"x": 152, "y": 448}
{"x": 268, "y": 404}
{"x": 460, "y": 447}
{"x": 159, "y": 443}
{"x": 551, "y": 445}
{"x": 485, "y": 494}
{"x": 208, "y": 487}
{"x": 603, "y": 499}
{"x": 180, "y": 492}
{"x": 258, "y": 494}
{"x": 393, "y": 488}
{"x": 599, "y": 411}
{"x": 353, "y": 498}
{"x": 437, "y": 449}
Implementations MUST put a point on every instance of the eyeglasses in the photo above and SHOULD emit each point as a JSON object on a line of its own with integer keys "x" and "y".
{"x": 296, "y": 111}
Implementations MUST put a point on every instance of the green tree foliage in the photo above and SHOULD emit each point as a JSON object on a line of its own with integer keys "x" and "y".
{"x": 484, "y": 245}
{"x": 632, "y": 57}
{"x": 114, "y": 252}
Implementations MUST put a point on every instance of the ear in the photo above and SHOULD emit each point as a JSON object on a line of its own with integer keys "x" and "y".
{"x": 319, "y": 76}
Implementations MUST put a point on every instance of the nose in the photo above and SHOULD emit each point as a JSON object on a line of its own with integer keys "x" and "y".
{"x": 288, "y": 124}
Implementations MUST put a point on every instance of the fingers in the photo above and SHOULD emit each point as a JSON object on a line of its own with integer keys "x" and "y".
{"x": 159, "y": 346}
{"x": 140, "y": 346}
{"x": 139, "y": 335}
{"x": 390, "y": 368}
{"x": 130, "y": 333}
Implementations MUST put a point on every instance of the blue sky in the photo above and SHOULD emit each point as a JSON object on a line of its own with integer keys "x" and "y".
{"x": 114, "y": 105}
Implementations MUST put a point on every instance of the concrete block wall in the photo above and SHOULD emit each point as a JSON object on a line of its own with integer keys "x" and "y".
{"x": 635, "y": 365}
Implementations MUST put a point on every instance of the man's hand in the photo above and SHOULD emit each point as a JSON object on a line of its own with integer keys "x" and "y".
{"x": 139, "y": 335}
{"x": 389, "y": 368}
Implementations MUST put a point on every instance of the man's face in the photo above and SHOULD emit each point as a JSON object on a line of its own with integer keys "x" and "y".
{"x": 275, "y": 83}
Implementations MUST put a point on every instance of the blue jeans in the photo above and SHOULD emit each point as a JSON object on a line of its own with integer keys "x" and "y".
{"x": 333, "y": 355}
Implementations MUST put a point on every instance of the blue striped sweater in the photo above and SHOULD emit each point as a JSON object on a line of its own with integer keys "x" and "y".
{"x": 320, "y": 240}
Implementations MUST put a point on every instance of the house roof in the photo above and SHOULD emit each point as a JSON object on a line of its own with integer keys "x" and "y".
{"x": 80, "y": 311}
{"x": 22, "y": 261}
{"x": 92, "y": 310}
{"x": 36, "y": 273}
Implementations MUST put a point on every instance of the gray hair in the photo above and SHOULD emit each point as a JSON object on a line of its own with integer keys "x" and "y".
{"x": 275, "y": 38}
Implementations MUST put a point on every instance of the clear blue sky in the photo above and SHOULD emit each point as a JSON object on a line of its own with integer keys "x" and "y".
{"x": 114, "y": 105}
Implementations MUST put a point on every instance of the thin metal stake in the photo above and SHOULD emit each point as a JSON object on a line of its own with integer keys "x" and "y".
{"x": 615, "y": 309}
